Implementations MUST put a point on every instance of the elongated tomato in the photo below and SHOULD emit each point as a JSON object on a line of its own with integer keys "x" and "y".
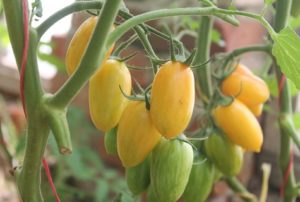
{"x": 106, "y": 101}
{"x": 137, "y": 135}
{"x": 240, "y": 125}
{"x": 172, "y": 98}
{"x": 246, "y": 87}
{"x": 79, "y": 43}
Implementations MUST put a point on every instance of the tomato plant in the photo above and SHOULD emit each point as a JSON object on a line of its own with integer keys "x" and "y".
{"x": 145, "y": 128}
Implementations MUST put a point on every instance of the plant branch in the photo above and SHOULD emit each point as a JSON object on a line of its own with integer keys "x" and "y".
{"x": 202, "y": 55}
{"x": 254, "y": 48}
{"x": 29, "y": 179}
{"x": 287, "y": 125}
{"x": 283, "y": 8}
{"x": 75, "y": 7}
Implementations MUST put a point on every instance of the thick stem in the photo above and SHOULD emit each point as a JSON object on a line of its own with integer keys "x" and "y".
{"x": 92, "y": 58}
{"x": 202, "y": 55}
{"x": 29, "y": 179}
{"x": 283, "y": 8}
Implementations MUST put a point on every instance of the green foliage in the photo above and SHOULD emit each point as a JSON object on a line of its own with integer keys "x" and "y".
{"x": 286, "y": 51}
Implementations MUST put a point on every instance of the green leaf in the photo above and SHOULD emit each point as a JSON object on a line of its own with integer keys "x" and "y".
{"x": 287, "y": 54}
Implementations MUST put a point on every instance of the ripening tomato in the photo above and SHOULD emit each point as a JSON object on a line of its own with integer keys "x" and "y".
{"x": 79, "y": 43}
{"x": 136, "y": 135}
{"x": 106, "y": 101}
{"x": 240, "y": 125}
{"x": 172, "y": 98}
{"x": 245, "y": 86}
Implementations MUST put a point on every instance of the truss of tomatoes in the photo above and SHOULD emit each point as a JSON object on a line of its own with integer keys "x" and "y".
{"x": 148, "y": 137}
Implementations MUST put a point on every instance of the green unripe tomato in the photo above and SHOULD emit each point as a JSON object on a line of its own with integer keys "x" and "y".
{"x": 201, "y": 180}
{"x": 138, "y": 177}
{"x": 227, "y": 156}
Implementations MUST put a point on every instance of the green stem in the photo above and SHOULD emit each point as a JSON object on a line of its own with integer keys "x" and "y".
{"x": 92, "y": 58}
{"x": 253, "y": 48}
{"x": 29, "y": 179}
{"x": 287, "y": 125}
{"x": 84, "y": 5}
{"x": 157, "y": 14}
{"x": 14, "y": 23}
{"x": 235, "y": 185}
{"x": 202, "y": 55}
{"x": 146, "y": 43}
{"x": 283, "y": 8}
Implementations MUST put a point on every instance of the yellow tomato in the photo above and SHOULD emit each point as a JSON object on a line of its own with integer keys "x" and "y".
{"x": 246, "y": 87}
{"x": 256, "y": 109}
{"x": 79, "y": 43}
{"x": 172, "y": 98}
{"x": 137, "y": 135}
{"x": 106, "y": 100}
{"x": 240, "y": 125}
{"x": 242, "y": 69}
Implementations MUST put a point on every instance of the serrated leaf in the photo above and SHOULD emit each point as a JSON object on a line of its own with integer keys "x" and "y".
{"x": 287, "y": 54}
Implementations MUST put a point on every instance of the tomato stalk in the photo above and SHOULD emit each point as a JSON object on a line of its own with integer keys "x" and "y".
{"x": 239, "y": 51}
{"x": 203, "y": 54}
{"x": 283, "y": 8}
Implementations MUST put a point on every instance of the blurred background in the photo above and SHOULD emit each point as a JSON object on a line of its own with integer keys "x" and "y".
{"x": 89, "y": 174}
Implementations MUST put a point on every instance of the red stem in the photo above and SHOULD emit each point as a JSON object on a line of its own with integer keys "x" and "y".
{"x": 22, "y": 87}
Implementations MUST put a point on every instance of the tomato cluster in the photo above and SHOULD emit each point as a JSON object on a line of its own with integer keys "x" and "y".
{"x": 147, "y": 135}
{"x": 237, "y": 119}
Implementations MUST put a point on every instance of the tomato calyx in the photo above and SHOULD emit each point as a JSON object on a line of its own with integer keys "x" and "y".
{"x": 144, "y": 96}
